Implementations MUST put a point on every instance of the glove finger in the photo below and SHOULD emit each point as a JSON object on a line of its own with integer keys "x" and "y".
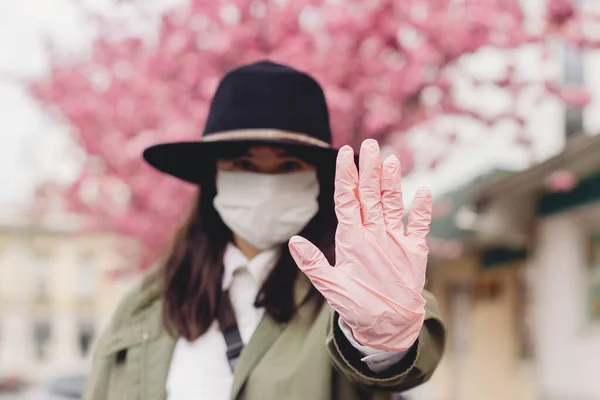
{"x": 420, "y": 215}
{"x": 391, "y": 195}
{"x": 369, "y": 186}
{"x": 347, "y": 206}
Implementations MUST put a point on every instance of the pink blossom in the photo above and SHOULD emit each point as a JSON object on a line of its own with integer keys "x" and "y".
{"x": 575, "y": 96}
{"x": 374, "y": 59}
{"x": 561, "y": 181}
{"x": 560, "y": 11}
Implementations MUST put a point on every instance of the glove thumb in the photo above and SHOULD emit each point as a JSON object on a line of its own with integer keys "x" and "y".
{"x": 310, "y": 260}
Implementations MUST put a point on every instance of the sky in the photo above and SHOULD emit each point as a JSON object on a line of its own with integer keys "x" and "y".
{"x": 23, "y": 26}
{"x": 34, "y": 147}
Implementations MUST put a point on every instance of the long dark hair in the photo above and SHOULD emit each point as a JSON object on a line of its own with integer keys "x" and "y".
{"x": 194, "y": 270}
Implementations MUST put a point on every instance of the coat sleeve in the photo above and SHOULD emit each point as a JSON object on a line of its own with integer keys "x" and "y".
{"x": 415, "y": 368}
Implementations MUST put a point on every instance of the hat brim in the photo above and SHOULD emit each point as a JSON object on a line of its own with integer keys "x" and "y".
{"x": 193, "y": 161}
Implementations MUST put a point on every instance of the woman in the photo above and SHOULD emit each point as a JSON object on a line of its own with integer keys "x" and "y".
{"x": 229, "y": 315}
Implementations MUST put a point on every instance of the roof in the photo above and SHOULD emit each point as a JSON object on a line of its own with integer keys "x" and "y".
{"x": 581, "y": 156}
{"x": 445, "y": 226}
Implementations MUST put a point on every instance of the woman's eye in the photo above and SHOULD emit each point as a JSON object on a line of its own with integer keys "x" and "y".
{"x": 290, "y": 166}
{"x": 244, "y": 165}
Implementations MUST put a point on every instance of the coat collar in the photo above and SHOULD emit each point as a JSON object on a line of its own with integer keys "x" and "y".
{"x": 150, "y": 289}
{"x": 258, "y": 267}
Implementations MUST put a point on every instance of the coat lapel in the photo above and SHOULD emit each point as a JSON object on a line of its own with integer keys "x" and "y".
{"x": 267, "y": 332}
{"x": 265, "y": 335}
{"x": 157, "y": 361}
{"x": 157, "y": 345}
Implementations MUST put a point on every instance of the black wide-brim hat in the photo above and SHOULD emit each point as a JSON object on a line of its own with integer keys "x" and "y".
{"x": 259, "y": 103}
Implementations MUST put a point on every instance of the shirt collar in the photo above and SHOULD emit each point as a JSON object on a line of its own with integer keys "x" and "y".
{"x": 259, "y": 267}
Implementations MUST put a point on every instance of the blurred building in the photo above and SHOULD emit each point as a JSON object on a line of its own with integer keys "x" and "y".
{"x": 56, "y": 294}
{"x": 483, "y": 288}
{"x": 558, "y": 226}
{"x": 516, "y": 241}
{"x": 521, "y": 295}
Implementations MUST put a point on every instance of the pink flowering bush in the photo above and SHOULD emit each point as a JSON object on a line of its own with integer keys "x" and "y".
{"x": 375, "y": 60}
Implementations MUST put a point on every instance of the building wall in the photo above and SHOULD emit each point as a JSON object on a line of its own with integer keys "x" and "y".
{"x": 493, "y": 366}
{"x": 55, "y": 293}
{"x": 483, "y": 359}
{"x": 567, "y": 342}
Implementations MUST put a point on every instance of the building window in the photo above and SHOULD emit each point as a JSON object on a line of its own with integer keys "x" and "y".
{"x": 86, "y": 276}
{"x": 86, "y": 336}
{"x": 41, "y": 275}
{"x": 573, "y": 75}
{"x": 593, "y": 280}
{"x": 41, "y": 336}
{"x": 523, "y": 312}
{"x": 460, "y": 297}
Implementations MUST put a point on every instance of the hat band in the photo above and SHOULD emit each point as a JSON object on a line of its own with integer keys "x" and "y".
{"x": 264, "y": 134}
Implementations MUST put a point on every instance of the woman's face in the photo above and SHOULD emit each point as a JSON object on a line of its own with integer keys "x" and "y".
{"x": 265, "y": 159}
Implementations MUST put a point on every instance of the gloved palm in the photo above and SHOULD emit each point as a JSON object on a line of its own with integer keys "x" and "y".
{"x": 379, "y": 274}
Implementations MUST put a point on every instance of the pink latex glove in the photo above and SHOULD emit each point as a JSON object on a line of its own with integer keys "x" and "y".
{"x": 379, "y": 274}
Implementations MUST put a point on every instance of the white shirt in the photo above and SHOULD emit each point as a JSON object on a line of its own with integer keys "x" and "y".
{"x": 199, "y": 369}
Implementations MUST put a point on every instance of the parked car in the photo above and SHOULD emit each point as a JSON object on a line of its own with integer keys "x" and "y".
{"x": 65, "y": 387}
{"x": 11, "y": 384}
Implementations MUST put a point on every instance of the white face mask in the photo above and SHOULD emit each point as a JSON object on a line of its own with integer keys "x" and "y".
{"x": 266, "y": 209}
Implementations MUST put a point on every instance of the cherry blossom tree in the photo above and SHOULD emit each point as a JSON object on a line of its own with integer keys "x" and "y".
{"x": 386, "y": 66}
